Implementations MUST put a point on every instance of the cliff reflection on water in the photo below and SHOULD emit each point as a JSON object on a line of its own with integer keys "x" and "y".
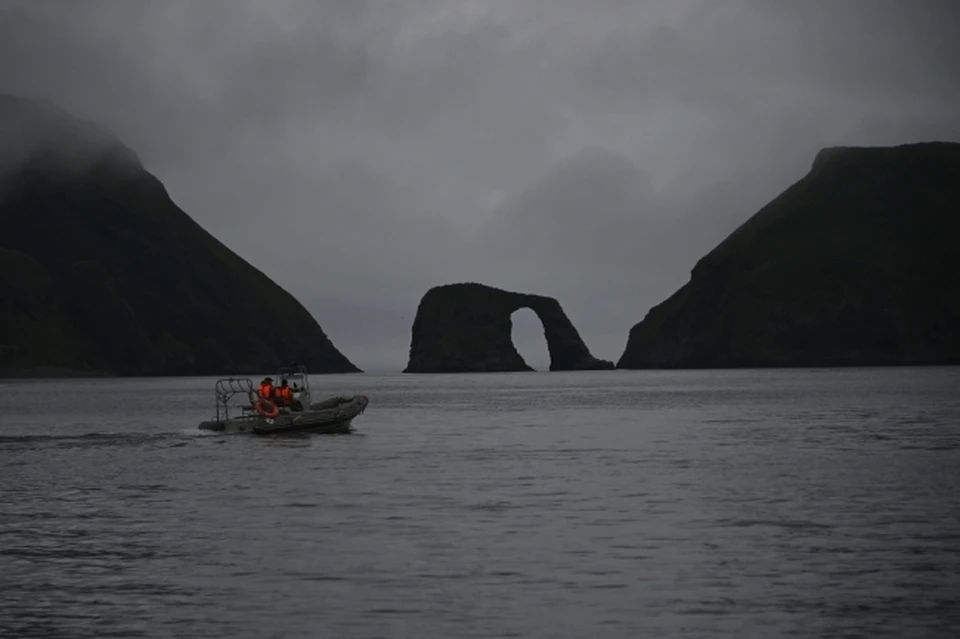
{"x": 604, "y": 504}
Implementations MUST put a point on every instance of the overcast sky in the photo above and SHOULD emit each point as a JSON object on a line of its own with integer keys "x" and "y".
{"x": 591, "y": 150}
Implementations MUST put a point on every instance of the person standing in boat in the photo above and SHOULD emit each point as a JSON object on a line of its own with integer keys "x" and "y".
{"x": 297, "y": 405}
{"x": 284, "y": 395}
{"x": 266, "y": 390}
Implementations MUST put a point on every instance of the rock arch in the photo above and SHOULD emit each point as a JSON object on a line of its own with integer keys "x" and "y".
{"x": 466, "y": 328}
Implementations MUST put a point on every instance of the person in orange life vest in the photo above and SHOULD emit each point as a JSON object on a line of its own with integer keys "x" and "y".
{"x": 266, "y": 389}
{"x": 284, "y": 395}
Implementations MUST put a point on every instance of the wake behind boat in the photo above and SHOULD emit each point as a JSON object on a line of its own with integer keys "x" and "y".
{"x": 263, "y": 416}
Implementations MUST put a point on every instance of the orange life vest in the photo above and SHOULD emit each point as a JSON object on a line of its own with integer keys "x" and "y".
{"x": 284, "y": 395}
{"x": 266, "y": 391}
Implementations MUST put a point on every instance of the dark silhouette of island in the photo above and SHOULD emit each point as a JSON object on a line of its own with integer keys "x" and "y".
{"x": 466, "y": 328}
{"x": 101, "y": 273}
{"x": 857, "y": 263}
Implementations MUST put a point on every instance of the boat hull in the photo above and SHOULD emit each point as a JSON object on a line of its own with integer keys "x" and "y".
{"x": 331, "y": 416}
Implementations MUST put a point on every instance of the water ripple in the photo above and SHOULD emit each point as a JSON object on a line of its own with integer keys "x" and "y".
{"x": 699, "y": 504}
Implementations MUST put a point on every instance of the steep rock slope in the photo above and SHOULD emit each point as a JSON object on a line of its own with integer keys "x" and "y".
{"x": 857, "y": 263}
{"x": 100, "y": 272}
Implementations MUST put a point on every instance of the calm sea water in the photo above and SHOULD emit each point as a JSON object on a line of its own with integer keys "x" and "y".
{"x": 809, "y": 503}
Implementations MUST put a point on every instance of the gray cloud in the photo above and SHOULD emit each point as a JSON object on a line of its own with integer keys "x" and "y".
{"x": 587, "y": 150}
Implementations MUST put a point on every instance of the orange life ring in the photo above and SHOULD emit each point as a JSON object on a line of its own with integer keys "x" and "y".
{"x": 270, "y": 413}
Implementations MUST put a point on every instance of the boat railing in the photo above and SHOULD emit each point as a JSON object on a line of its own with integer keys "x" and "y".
{"x": 229, "y": 387}
{"x": 296, "y": 374}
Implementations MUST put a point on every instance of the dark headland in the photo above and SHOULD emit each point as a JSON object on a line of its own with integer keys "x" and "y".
{"x": 466, "y": 328}
{"x": 857, "y": 263}
{"x": 101, "y": 273}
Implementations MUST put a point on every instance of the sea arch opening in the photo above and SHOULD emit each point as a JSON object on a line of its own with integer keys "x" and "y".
{"x": 529, "y": 338}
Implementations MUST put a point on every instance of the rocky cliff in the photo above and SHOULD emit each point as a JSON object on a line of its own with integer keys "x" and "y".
{"x": 466, "y": 328}
{"x": 101, "y": 272}
{"x": 857, "y": 263}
